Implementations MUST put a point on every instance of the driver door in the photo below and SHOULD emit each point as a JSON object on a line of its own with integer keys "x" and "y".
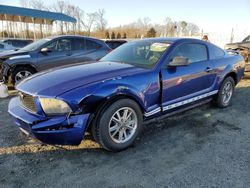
{"x": 185, "y": 82}
{"x": 59, "y": 54}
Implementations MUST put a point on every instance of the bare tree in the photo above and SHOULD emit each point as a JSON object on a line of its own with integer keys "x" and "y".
{"x": 95, "y": 24}
{"x": 193, "y": 29}
{"x": 101, "y": 22}
{"x": 25, "y": 3}
{"x": 60, "y": 6}
{"x": 37, "y": 4}
{"x": 79, "y": 15}
{"x": 146, "y": 22}
{"x": 183, "y": 27}
{"x": 90, "y": 20}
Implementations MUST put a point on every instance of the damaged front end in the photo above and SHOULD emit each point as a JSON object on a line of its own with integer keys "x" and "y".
{"x": 61, "y": 129}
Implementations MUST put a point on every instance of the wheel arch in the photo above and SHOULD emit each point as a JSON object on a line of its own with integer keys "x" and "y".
{"x": 24, "y": 64}
{"x": 101, "y": 104}
{"x": 233, "y": 75}
{"x": 110, "y": 91}
{"x": 14, "y": 67}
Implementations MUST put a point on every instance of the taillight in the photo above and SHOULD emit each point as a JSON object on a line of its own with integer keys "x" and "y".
{"x": 110, "y": 50}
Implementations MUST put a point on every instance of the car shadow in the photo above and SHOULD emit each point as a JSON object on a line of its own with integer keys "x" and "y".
{"x": 183, "y": 133}
{"x": 160, "y": 133}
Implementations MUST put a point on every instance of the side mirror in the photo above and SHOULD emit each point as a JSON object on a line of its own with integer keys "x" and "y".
{"x": 45, "y": 50}
{"x": 179, "y": 61}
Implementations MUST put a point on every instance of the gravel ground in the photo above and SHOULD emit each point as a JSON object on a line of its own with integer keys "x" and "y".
{"x": 203, "y": 147}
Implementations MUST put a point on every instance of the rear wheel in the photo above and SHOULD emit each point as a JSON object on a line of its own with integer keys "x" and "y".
{"x": 21, "y": 73}
{"x": 225, "y": 94}
{"x": 119, "y": 125}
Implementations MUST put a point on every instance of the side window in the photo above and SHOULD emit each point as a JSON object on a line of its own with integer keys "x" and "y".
{"x": 8, "y": 42}
{"x": 79, "y": 44}
{"x": 60, "y": 45}
{"x": 91, "y": 45}
{"x": 194, "y": 52}
{"x": 216, "y": 52}
{"x": 17, "y": 43}
{"x": 20, "y": 43}
{"x": 1, "y": 46}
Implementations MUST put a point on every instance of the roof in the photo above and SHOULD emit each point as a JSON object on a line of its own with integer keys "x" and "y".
{"x": 19, "y": 14}
{"x": 74, "y": 36}
{"x": 158, "y": 39}
{"x": 169, "y": 39}
{"x": 16, "y": 39}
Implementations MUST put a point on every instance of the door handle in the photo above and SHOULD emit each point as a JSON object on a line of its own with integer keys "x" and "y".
{"x": 208, "y": 69}
{"x": 69, "y": 54}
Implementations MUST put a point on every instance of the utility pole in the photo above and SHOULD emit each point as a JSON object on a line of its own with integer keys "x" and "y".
{"x": 232, "y": 36}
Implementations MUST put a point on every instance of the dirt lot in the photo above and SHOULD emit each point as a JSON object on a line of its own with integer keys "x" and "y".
{"x": 204, "y": 147}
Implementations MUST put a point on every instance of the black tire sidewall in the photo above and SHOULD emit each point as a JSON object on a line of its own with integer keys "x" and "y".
{"x": 103, "y": 125}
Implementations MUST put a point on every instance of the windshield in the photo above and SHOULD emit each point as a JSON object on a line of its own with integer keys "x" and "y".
{"x": 35, "y": 45}
{"x": 139, "y": 53}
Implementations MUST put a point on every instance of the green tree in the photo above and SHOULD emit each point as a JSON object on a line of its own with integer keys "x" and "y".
{"x": 113, "y": 35}
{"x": 107, "y": 35}
{"x": 151, "y": 33}
{"x": 118, "y": 36}
{"x": 124, "y": 35}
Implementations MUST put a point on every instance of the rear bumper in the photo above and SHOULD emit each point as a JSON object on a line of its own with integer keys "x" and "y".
{"x": 51, "y": 130}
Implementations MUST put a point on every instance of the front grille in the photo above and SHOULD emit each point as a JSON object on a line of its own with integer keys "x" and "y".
{"x": 28, "y": 102}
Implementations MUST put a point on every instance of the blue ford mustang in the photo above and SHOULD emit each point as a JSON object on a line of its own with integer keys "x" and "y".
{"x": 138, "y": 81}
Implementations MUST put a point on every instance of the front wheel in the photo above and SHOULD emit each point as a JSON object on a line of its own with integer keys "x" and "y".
{"x": 119, "y": 125}
{"x": 21, "y": 73}
{"x": 225, "y": 94}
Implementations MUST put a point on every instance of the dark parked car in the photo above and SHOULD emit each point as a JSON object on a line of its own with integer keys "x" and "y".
{"x": 48, "y": 53}
{"x": 114, "y": 43}
{"x": 243, "y": 47}
{"x": 138, "y": 81}
{"x": 6, "y": 47}
{"x": 17, "y": 43}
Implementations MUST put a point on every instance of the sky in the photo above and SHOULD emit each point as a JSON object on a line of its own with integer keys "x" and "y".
{"x": 210, "y": 15}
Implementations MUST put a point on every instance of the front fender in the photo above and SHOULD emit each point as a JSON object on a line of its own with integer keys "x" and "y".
{"x": 89, "y": 98}
{"x": 13, "y": 65}
{"x": 107, "y": 92}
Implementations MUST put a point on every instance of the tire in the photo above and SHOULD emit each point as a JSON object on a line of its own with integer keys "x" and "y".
{"x": 116, "y": 133}
{"x": 21, "y": 71}
{"x": 224, "y": 97}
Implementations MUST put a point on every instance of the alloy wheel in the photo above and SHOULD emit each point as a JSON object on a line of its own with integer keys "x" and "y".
{"x": 227, "y": 92}
{"x": 123, "y": 125}
{"x": 21, "y": 75}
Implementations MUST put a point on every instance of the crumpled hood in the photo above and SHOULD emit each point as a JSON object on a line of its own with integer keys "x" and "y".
{"x": 54, "y": 82}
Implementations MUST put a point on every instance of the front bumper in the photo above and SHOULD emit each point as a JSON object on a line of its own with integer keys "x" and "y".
{"x": 50, "y": 130}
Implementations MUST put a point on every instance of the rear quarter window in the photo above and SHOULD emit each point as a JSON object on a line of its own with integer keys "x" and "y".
{"x": 91, "y": 45}
{"x": 114, "y": 44}
{"x": 216, "y": 52}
